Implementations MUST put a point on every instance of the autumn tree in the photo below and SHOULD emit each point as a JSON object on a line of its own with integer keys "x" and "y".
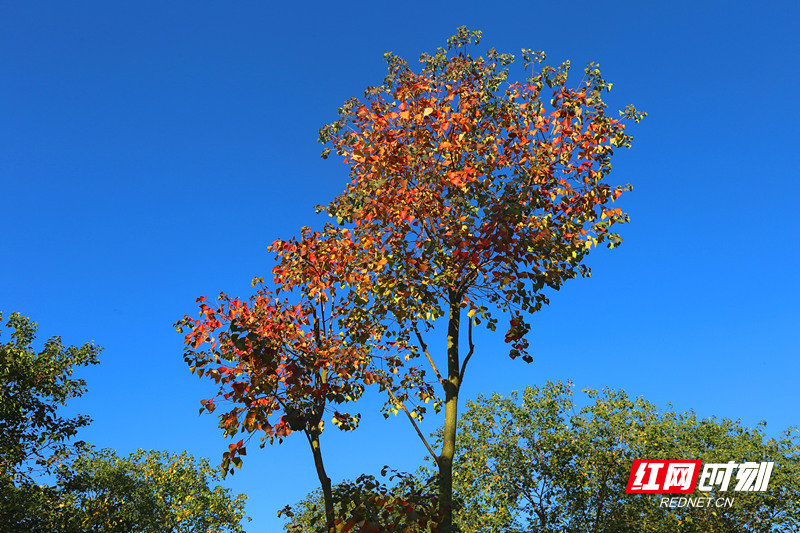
{"x": 470, "y": 195}
{"x": 282, "y": 363}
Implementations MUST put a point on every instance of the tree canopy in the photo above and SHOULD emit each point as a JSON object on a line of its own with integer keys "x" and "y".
{"x": 542, "y": 461}
{"x": 282, "y": 362}
{"x": 34, "y": 436}
{"x": 147, "y": 492}
{"x": 470, "y": 194}
{"x": 52, "y": 483}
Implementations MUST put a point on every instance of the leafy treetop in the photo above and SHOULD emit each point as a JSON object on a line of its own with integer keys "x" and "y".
{"x": 34, "y": 437}
{"x": 466, "y": 193}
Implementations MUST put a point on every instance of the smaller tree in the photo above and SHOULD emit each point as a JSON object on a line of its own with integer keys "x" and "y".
{"x": 147, "y": 492}
{"x": 281, "y": 363}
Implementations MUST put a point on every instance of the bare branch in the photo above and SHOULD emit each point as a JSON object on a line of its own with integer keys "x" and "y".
{"x": 428, "y": 355}
{"x": 469, "y": 354}
{"x": 413, "y": 422}
{"x": 317, "y": 335}
{"x": 322, "y": 312}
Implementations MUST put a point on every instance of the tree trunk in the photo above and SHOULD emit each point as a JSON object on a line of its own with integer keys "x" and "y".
{"x": 445, "y": 460}
{"x": 324, "y": 481}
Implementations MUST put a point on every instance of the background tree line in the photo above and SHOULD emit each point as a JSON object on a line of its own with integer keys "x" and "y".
{"x": 535, "y": 463}
{"x": 542, "y": 463}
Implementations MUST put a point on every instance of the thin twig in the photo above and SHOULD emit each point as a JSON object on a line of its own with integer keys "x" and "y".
{"x": 413, "y": 422}
{"x": 428, "y": 355}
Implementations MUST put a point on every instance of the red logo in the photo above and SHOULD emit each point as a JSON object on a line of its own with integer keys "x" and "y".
{"x": 663, "y": 476}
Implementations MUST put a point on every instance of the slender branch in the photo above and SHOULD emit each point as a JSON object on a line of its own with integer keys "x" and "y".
{"x": 428, "y": 355}
{"x": 471, "y": 277}
{"x": 322, "y": 312}
{"x": 332, "y": 314}
{"x": 469, "y": 354}
{"x": 317, "y": 335}
{"x": 413, "y": 422}
{"x": 308, "y": 438}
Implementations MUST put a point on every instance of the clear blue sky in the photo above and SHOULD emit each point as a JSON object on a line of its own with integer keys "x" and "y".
{"x": 150, "y": 151}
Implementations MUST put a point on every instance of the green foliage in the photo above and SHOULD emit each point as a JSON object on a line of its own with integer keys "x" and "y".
{"x": 33, "y": 436}
{"x": 148, "y": 492}
{"x": 368, "y": 505}
{"x": 26, "y": 507}
{"x": 544, "y": 465}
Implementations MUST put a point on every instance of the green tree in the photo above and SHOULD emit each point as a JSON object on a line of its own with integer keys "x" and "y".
{"x": 34, "y": 436}
{"x": 544, "y": 465}
{"x": 52, "y": 484}
{"x": 147, "y": 492}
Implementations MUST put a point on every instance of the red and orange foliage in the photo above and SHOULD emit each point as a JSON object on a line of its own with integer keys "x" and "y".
{"x": 466, "y": 193}
{"x": 462, "y": 189}
{"x": 280, "y": 363}
{"x": 470, "y": 193}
